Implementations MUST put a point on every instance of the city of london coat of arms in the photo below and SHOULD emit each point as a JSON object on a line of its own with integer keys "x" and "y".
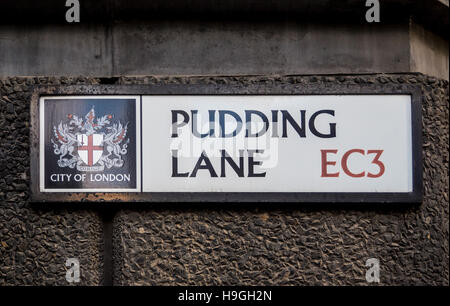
{"x": 90, "y": 144}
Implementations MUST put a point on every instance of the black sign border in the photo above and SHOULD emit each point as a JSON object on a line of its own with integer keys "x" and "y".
{"x": 231, "y": 89}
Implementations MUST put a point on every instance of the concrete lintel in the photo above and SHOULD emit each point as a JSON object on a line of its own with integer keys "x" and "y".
{"x": 202, "y": 48}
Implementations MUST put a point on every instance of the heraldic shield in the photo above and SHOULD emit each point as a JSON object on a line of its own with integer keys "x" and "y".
{"x": 90, "y": 148}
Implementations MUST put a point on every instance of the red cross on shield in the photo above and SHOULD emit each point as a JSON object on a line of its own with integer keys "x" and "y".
{"x": 89, "y": 148}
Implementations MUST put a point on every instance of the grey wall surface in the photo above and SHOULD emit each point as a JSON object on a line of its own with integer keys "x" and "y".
{"x": 223, "y": 47}
{"x": 177, "y": 47}
{"x": 429, "y": 52}
{"x": 216, "y": 245}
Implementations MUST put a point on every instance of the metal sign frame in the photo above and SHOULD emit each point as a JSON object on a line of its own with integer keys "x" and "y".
{"x": 226, "y": 89}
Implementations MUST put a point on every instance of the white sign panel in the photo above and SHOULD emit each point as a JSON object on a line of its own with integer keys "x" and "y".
{"x": 276, "y": 143}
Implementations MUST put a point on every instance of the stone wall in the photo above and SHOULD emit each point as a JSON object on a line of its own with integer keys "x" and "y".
{"x": 211, "y": 244}
{"x": 36, "y": 241}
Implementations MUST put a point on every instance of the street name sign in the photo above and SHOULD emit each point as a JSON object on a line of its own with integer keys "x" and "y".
{"x": 135, "y": 144}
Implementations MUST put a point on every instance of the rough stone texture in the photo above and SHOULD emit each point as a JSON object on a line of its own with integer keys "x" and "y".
{"x": 305, "y": 245}
{"x": 35, "y": 241}
{"x": 214, "y": 245}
